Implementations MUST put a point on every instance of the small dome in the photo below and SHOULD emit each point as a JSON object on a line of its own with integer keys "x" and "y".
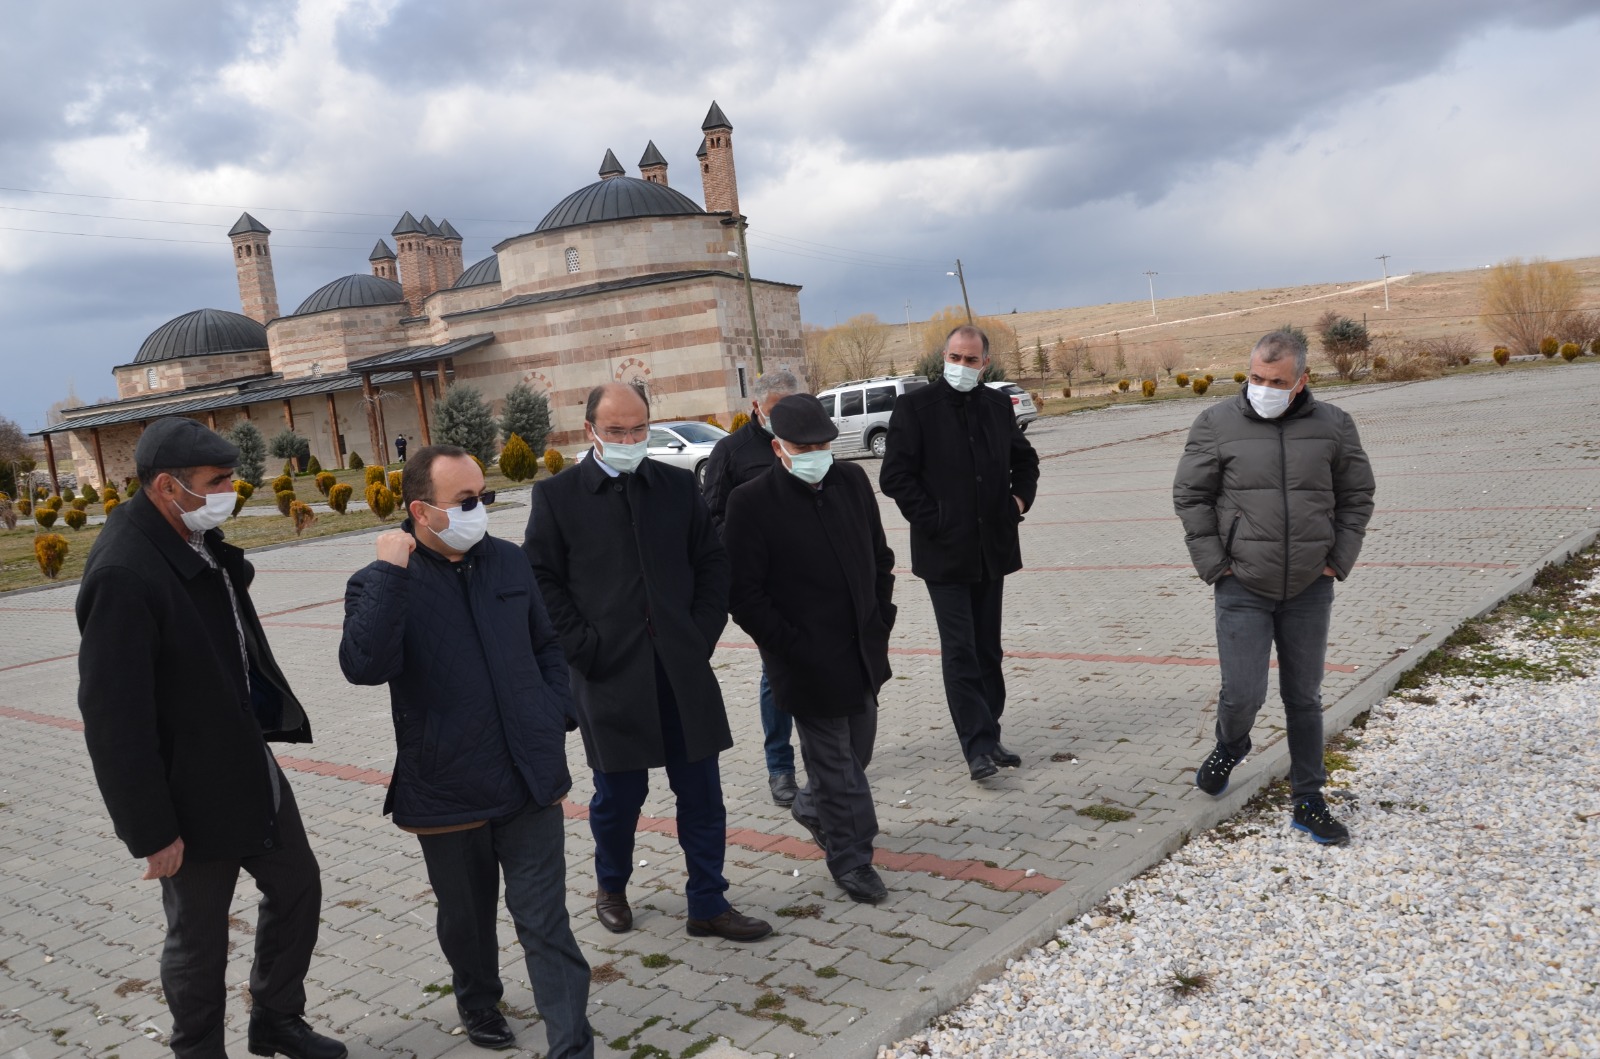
{"x": 617, "y": 199}
{"x": 348, "y": 292}
{"x": 485, "y": 271}
{"x": 200, "y": 332}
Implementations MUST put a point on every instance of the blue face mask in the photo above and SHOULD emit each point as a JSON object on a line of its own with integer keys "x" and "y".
{"x": 809, "y": 467}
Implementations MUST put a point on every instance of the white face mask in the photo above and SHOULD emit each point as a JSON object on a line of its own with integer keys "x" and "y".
{"x": 809, "y": 467}
{"x": 1269, "y": 402}
{"x": 217, "y": 510}
{"x": 960, "y": 376}
{"x": 623, "y": 458}
{"x": 466, "y": 527}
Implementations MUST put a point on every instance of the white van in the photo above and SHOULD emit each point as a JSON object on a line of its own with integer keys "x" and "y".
{"x": 860, "y": 409}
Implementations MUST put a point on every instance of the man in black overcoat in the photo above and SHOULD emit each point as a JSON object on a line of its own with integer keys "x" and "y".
{"x": 637, "y": 586}
{"x": 179, "y": 693}
{"x": 736, "y": 459}
{"x": 963, "y": 476}
{"x": 813, "y": 579}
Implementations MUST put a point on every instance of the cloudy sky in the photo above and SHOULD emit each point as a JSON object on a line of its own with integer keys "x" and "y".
{"x": 1058, "y": 147}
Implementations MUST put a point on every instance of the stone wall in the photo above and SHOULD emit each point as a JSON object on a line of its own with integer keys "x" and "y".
{"x": 331, "y": 339}
{"x": 537, "y": 263}
{"x": 188, "y": 372}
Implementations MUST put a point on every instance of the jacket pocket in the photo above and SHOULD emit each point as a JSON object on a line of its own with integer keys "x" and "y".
{"x": 1233, "y": 531}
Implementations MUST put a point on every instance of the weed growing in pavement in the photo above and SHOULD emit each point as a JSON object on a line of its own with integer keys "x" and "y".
{"x": 605, "y": 973}
{"x": 800, "y": 911}
{"x": 826, "y": 972}
{"x": 698, "y": 1046}
{"x": 1110, "y": 814}
{"x": 656, "y": 960}
{"x": 1183, "y": 982}
{"x": 439, "y": 990}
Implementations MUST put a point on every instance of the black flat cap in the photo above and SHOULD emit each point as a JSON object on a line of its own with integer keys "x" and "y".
{"x": 173, "y": 442}
{"x": 800, "y": 418}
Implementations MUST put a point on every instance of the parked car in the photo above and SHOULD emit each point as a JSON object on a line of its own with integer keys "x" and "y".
{"x": 1021, "y": 402}
{"x": 860, "y": 409}
{"x": 685, "y": 443}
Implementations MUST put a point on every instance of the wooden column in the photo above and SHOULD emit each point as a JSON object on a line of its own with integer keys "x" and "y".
{"x": 374, "y": 433}
{"x": 288, "y": 414}
{"x": 422, "y": 406}
{"x": 333, "y": 432}
{"x": 99, "y": 457}
{"x": 211, "y": 419}
{"x": 383, "y": 428}
{"x": 50, "y": 463}
{"x": 439, "y": 380}
{"x": 245, "y": 409}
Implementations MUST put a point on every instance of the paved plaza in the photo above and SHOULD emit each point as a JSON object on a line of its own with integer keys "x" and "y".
{"x": 1112, "y": 676}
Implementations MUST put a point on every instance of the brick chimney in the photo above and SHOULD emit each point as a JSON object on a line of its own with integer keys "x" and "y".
{"x": 716, "y": 167}
{"x": 451, "y": 241}
{"x": 416, "y": 271}
{"x": 252, "y": 260}
{"x": 433, "y": 244}
{"x": 652, "y": 166}
{"x": 383, "y": 263}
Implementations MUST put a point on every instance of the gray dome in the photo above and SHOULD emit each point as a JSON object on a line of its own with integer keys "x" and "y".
{"x": 348, "y": 292}
{"x": 617, "y": 199}
{"x": 485, "y": 271}
{"x": 200, "y": 332}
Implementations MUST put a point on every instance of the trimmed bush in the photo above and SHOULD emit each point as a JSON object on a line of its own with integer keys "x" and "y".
{"x": 1066, "y": 391}
{"x": 45, "y": 517}
{"x": 80, "y": 503}
{"x": 553, "y": 461}
{"x": 356, "y": 462}
{"x": 1148, "y": 387}
{"x": 132, "y": 489}
{"x": 25, "y": 507}
{"x": 1570, "y": 351}
{"x": 90, "y": 494}
{"x": 374, "y": 474}
{"x": 41, "y": 493}
{"x": 517, "y": 461}
{"x": 339, "y": 497}
{"x": 282, "y": 482}
{"x": 1240, "y": 377}
{"x": 284, "y": 498}
{"x": 303, "y": 516}
{"x": 739, "y": 420}
{"x": 110, "y": 505}
{"x": 380, "y": 500}
{"x": 1200, "y": 386}
{"x": 244, "y": 488}
{"x": 1380, "y": 364}
{"x": 50, "y": 549}
{"x": 54, "y": 502}
{"x": 67, "y": 494}
{"x": 394, "y": 485}
{"x": 1182, "y": 380}
{"x": 286, "y": 445}
{"x": 1549, "y": 347}
{"x": 1501, "y": 355}
{"x": 313, "y": 467}
{"x": 1210, "y": 378}
{"x": 76, "y": 518}
{"x": 325, "y": 481}
{"x": 1123, "y": 384}
{"x": 8, "y": 512}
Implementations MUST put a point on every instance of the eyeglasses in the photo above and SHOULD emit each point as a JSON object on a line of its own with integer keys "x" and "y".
{"x": 470, "y": 502}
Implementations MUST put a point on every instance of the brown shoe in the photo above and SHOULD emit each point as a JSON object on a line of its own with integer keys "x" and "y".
{"x": 613, "y": 912}
{"x": 730, "y": 925}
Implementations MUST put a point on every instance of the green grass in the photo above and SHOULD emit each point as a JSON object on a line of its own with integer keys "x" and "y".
{"x": 1110, "y": 814}
{"x": 656, "y": 960}
{"x": 826, "y": 972}
{"x": 800, "y": 911}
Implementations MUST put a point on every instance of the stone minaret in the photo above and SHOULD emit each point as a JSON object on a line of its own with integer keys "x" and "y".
{"x": 451, "y": 240}
{"x": 716, "y": 168}
{"x": 258, "y": 291}
{"x": 434, "y": 243}
{"x": 382, "y": 259}
{"x": 416, "y": 272}
{"x": 610, "y": 167}
{"x": 652, "y": 166}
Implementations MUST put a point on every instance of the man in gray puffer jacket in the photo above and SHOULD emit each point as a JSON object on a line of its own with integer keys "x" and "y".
{"x": 1274, "y": 491}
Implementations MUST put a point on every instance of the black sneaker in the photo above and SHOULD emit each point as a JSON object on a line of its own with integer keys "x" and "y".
{"x": 1311, "y": 816}
{"x": 1212, "y": 775}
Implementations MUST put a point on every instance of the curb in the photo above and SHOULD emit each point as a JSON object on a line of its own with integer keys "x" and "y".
{"x": 940, "y": 991}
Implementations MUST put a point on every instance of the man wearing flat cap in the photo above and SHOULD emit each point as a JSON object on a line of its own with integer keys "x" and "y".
{"x": 180, "y": 694}
{"x": 812, "y": 585}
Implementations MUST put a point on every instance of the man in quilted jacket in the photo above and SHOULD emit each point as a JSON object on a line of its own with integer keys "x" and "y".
{"x": 452, "y": 620}
{"x": 1274, "y": 491}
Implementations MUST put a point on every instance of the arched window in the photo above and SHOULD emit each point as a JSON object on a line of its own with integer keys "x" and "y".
{"x": 150, "y": 378}
{"x": 572, "y": 259}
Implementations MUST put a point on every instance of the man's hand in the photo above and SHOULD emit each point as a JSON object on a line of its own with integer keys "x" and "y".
{"x": 165, "y": 863}
{"x": 1021, "y": 509}
{"x": 1328, "y": 571}
{"x": 396, "y": 546}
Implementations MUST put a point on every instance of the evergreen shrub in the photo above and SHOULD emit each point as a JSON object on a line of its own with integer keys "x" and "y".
{"x": 284, "y": 498}
{"x": 325, "y": 481}
{"x": 339, "y": 497}
{"x": 75, "y": 517}
{"x": 45, "y": 517}
{"x": 50, "y": 549}
{"x": 380, "y": 500}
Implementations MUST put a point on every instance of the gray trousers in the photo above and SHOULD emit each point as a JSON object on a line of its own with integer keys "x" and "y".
{"x": 837, "y": 751}
{"x": 1248, "y": 626}
{"x": 464, "y": 869}
{"x": 194, "y": 959}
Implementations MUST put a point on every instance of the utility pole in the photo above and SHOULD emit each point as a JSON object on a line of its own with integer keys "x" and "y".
{"x": 908, "y": 322}
{"x": 740, "y": 223}
{"x": 1150, "y": 277}
{"x": 962, "y": 276}
{"x": 1385, "y": 259}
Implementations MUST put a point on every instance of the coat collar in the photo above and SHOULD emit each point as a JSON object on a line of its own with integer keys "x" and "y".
{"x": 474, "y": 552}
{"x": 144, "y": 516}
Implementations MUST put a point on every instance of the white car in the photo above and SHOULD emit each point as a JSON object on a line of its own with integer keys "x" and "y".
{"x": 685, "y": 443}
{"x": 1021, "y": 402}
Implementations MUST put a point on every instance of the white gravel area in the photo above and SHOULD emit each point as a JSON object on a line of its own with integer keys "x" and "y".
{"x": 1462, "y": 920}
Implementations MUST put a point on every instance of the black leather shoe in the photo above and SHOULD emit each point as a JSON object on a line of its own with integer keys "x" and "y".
{"x": 731, "y": 926}
{"x": 1005, "y": 758}
{"x": 783, "y": 788}
{"x": 272, "y": 1033}
{"x": 613, "y": 912}
{"x": 982, "y": 766}
{"x": 813, "y": 826}
{"x": 487, "y": 1028}
{"x": 863, "y": 884}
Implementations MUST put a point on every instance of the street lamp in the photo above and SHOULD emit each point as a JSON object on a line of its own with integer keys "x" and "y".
{"x": 958, "y": 274}
{"x": 1151, "y": 278}
{"x": 740, "y": 223}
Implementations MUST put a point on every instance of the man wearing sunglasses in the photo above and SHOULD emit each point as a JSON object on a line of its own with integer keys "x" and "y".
{"x": 452, "y": 620}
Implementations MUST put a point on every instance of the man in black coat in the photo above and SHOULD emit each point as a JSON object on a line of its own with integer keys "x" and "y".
{"x": 451, "y": 619}
{"x": 637, "y": 586}
{"x": 179, "y": 693}
{"x": 963, "y": 476}
{"x": 812, "y": 585}
{"x": 736, "y": 459}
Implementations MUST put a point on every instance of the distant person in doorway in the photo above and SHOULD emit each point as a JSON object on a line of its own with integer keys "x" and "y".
{"x": 400, "y": 447}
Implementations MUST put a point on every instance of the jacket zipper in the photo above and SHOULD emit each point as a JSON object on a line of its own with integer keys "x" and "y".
{"x": 1283, "y": 460}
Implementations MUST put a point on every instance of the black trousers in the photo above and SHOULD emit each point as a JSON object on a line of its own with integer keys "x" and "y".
{"x": 194, "y": 960}
{"x": 971, "y": 657}
{"x": 464, "y": 869}
{"x": 837, "y": 796}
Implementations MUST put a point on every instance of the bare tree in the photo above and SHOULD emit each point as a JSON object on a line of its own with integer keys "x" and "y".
{"x": 815, "y": 339}
{"x": 1523, "y": 303}
{"x": 856, "y": 346}
{"x": 1169, "y": 355}
{"x": 1146, "y": 364}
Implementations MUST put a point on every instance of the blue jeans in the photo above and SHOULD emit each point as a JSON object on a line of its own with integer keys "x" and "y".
{"x": 776, "y": 728}
{"x": 464, "y": 869}
{"x": 1248, "y": 626}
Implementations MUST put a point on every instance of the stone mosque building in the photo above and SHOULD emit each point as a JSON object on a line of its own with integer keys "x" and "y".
{"x": 625, "y": 279}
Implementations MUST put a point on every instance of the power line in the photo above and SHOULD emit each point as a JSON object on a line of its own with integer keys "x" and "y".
{"x": 164, "y": 239}
{"x": 232, "y": 206}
